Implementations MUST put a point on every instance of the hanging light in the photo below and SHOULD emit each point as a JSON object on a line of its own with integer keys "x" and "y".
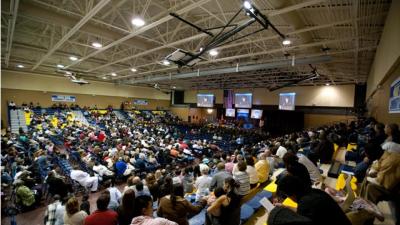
{"x": 166, "y": 63}
{"x": 20, "y": 66}
{"x": 113, "y": 74}
{"x": 138, "y": 22}
{"x": 60, "y": 66}
{"x": 247, "y": 5}
{"x": 286, "y": 41}
{"x": 133, "y": 69}
{"x": 213, "y": 52}
{"x": 73, "y": 58}
{"x": 97, "y": 44}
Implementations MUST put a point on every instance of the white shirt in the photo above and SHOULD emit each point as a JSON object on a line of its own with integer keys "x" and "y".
{"x": 202, "y": 185}
{"x": 115, "y": 196}
{"x": 281, "y": 151}
{"x": 252, "y": 174}
{"x": 102, "y": 170}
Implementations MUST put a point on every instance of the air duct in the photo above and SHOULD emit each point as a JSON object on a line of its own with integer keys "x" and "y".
{"x": 235, "y": 69}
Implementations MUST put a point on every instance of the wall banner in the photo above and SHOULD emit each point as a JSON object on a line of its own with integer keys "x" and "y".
{"x": 63, "y": 98}
{"x": 394, "y": 99}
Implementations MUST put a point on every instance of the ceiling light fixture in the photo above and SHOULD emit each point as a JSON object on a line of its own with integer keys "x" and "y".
{"x": 138, "y": 22}
{"x": 97, "y": 44}
{"x": 68, "y": 73}
{"x": 104, "y": 77}
{"x": 113, "y": 74}
{"x": 286, "y": 41}
{"x": 133, "y": 69}
{"x": 173, "y": 87}
{"x": 327, "y": 84}
{"x": 60, "y": 66}
{"x": 213, "y": 52}
{"x": 166, "y": 63}
{"x": 247, "y": 5}
{"x": 20, "y": 66}
{"x": 73, "y": 58}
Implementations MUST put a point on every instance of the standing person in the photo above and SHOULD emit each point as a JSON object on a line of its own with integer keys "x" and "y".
{"x": 72, "y": 215}
{"x": 226, "y": 209}
{"x": 312, "y": 203}
{"x": 144, "y": 213}
{"x": 219, "y": 177}
{"x": 103, "y": 215}
{"x": 187, "y": 181}
{"x": 126, "y": 209}
{"x": 176, "y": 208}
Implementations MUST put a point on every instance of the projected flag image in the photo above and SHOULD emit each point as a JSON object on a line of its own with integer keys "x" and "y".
{"x": 287, "y": 101}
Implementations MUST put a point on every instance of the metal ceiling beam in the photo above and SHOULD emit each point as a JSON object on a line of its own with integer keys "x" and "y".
{"x": 201, "y": 35}
{"x": 11, "y": 27}
{"x": 279, "y": 64}
{"x": 71, "y": 32}
{"x": 140, "y": 31}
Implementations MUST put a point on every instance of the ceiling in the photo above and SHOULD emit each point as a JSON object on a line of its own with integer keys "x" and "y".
{"x": 39, "y": 34}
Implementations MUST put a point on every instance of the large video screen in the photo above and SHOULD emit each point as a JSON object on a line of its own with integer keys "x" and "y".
{"x": 243, "y": 100}
{"x": 287, "y": 101}
{"x": 242, "y": 114}
{"x": 256, "y": 113}
{"x": 205, "y": 100}
{"x": 230, "y": 113}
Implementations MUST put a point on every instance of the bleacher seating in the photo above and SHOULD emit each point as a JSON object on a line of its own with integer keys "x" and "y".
{"x": 17, "y": 120}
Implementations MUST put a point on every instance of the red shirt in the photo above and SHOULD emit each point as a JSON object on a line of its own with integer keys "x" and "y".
{"x": 108, "y": 217}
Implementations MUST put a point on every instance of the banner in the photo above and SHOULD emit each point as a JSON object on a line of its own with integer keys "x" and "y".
{"x": 228, "y": 99}
{"x": 394, "y": 99}
{"x": 63, "y": 98}
{"x": 140, "y": 102}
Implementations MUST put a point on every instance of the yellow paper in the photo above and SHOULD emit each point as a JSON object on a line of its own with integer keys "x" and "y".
{"x": 290, "y": 203}
{"x": 271, "y": 187}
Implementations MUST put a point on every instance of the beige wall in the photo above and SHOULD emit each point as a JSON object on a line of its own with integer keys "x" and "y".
{"x": 331, "y": 96}
{"x": 35, "y": 82}
{"x": 385, "y": 68}
{"x": 388, "y": 52}
{"x": 181, "y": 112}
{"x": 26, "y": 87}
{"x": 44, "y": 98}
{"x": 378, "y": 104}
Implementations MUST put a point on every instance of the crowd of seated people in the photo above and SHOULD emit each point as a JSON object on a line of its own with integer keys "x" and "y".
{"x": 161, "y": 167}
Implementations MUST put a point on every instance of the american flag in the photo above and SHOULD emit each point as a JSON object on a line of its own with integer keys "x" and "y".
{"x": 228, "y": 99}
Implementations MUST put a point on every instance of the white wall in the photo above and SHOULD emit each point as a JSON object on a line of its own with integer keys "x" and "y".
{"x": 330, "y": 96}
{"x": 35, "y": 82}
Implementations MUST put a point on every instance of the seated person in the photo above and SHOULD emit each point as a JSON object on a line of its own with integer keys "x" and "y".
{"x": 312, "y": 203}
{"x": 243, "y": 179}
{"x": 25, "y": 197}
{"x": 102, "y": 215}
{"x": 226, "y": 208}
{"x": 176, "y": 208}
{"x": 143, "y": 212}
{"x": 383, "y": 179}
{"x": 84, "y": 179}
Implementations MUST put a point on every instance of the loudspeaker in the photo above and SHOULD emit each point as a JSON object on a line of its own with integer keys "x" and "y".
{"x": 359, "y": 95}
{"x": 177, "y": 97}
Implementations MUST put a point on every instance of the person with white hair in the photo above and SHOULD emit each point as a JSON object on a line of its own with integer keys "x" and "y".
{"x": 203, "y": 183}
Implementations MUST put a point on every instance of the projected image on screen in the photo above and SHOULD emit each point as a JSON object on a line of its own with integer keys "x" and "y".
{"x": 230, "y": 113}
{"x": 242, "y": 114}
{"x": 256, "y": 113}
{"x": 287, "y": 101}
{"x": 205, "y": 100}
{"x": 243, "y": 100}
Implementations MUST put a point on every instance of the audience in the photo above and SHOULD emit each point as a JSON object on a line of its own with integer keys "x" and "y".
{"x": 162, "y": 165}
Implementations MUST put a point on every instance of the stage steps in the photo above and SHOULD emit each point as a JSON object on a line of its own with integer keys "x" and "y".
{"x": 17, "y": 120}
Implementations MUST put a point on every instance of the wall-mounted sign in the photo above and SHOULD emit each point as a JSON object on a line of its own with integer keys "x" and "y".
{"x": 63, "y": 98}
{"x": 394, "y": 99}
{"x": 140, "y": 102}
